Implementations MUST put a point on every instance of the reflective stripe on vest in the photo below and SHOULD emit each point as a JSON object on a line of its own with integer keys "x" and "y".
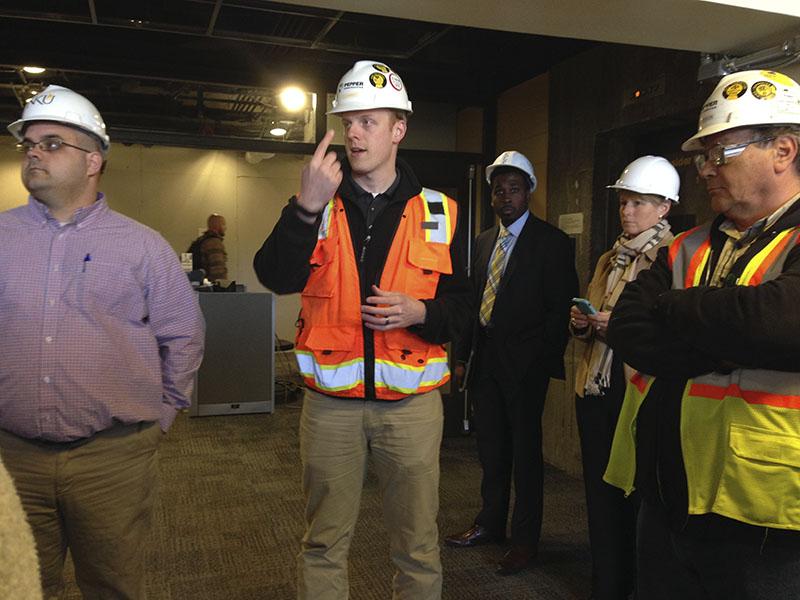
{"x": 689, "y": 255}
{"x": 437, "y": 217}
{"x": 325, "y": 222}
{"x": 740, "y": 431}
{"x": 330, "y": 343}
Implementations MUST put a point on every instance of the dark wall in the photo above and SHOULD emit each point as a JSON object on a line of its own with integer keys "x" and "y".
{"x": 598, "y": 125}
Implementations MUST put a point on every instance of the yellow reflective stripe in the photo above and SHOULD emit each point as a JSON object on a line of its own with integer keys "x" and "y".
{"x": 698, "y": 272}
{"x": 388, "y": 375}
{"x": 322, "y": 233}
{"x": 441, "y": 234}
{"x": 409, "y": 379}
{"x": 756, "y": 261}
{"x": 335, "y": 378}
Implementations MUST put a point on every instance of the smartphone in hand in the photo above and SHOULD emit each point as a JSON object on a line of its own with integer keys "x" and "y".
{"x": 583, "y": 305}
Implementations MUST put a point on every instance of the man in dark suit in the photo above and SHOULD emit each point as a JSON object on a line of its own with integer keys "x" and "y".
{"x": 523, "y": 275}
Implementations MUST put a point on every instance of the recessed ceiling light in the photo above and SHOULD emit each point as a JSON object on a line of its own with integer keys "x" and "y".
{"x": 33, "y": 70}
{"x": 277, "y": 131}
{"x": 292, "y": 98}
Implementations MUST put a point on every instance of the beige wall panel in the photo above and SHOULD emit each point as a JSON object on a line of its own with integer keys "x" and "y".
{"x": 522, "y": 111}
{"x": 14, "y": 192}
{"x": 259, "y": 201}
{"x": 469, "y": 130}
{"x": 182, "y": 186}
{"x": 122, "y": 181}
{"x": 539, "y": 203}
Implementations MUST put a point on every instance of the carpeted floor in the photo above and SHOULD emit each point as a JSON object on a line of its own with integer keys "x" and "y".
{"x": 230, "y": 516}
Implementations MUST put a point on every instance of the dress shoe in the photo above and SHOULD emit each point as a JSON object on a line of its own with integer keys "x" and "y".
{"x": 516, "y": 559}
{"x": 474, "y": 536}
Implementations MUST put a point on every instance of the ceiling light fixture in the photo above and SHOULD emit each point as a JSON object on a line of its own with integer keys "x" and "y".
{"x": 292, "y": 98}
{"x": 277, "y": 131}
{"x": 33, "y": 70}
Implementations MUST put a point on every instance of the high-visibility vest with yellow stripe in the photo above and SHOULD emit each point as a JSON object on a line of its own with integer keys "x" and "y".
{"x": 740, "y": 432}
{"x": 330, "y": 341}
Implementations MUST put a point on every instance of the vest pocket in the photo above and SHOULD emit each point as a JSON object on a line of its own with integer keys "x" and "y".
{"x": 427, "y": 262}
{"x": 761, "y": 478}
{"x": 430, "y": 256}
{"x": 327, "y": 340}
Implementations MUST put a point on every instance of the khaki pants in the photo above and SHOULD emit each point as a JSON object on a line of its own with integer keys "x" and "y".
{"x": 403, "y": 438}
{"x": 94, "y": 498}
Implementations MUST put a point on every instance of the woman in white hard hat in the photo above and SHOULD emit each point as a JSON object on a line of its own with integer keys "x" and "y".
{"x": 646, "y": 190}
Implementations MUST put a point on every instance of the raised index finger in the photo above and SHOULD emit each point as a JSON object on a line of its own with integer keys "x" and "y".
{"x": 319, "y": 153}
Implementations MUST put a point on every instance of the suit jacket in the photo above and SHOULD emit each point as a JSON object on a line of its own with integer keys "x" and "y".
{"x": 529, "y": 325}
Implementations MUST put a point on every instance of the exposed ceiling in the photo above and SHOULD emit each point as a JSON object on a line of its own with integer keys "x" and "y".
{"x": 211, "y": 68}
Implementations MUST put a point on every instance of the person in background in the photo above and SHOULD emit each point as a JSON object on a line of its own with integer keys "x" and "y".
{"x": 709, "y": 430}
{"x": 19, "y": 565}
{"x": 208, "y": 250}
{"x": 646, "y": 190}
{"x": 383, "y": 280}
{"x": 103, "y": 336}
{"x": 523, "y": 277}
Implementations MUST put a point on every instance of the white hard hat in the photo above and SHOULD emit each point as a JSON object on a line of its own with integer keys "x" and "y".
{"x": 650, "y": 175}
{"x": 747, "y": 99}
{"x": 62, "y": 105}
{"x": 370, "y": 84}
{"x": 512, "y": 158}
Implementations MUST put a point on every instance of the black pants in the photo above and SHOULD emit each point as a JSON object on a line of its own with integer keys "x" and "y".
{"x": 612, "y": 517}
{"x": 509, "y": 428}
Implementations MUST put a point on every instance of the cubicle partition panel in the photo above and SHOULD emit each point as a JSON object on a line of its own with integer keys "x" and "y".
{"x": 238, "y": 370}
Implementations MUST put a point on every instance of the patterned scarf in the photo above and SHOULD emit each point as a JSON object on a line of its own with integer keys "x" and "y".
{"x": 621, "y": 268}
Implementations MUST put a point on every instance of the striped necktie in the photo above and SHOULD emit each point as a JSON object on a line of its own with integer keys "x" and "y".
{"x": 494, "y": 275}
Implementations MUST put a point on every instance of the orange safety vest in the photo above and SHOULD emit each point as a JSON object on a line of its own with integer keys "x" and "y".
{"x": 740, "y": 431}
{"x": 330, "y": 340}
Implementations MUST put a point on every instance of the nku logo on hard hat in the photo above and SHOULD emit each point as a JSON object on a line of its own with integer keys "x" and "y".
{"x": 42, "y": 99}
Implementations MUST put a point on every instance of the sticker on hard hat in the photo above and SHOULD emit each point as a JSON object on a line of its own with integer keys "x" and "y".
{"x": 764, "y": 90}
{"x": 378, "y": 80}
{"x": 778, "y": 78}
{"x": 381, "y": 68}
{"x": 43, "y": 99}
{"x": 734, "y": 90}
{"x": 396, "y": 82}
{"x": 347, "y": 85}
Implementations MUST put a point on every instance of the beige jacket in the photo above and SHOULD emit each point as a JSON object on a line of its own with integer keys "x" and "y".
{"x": 595, "y": 293}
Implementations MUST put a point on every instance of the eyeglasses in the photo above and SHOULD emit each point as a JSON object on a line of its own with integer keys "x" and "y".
{"x": 721, "y": 154}
{"x": 48, "y": 144}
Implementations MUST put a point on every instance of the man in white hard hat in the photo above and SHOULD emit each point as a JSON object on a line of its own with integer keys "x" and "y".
{"x": 710, "y": 427}
{"x": 103, "y": 335}
{"x": 383, "y": 282}
{"x": 524, "y": 278}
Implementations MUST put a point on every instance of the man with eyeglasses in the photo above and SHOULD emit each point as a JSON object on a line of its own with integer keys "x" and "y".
{"x": 710, "y": 430}
{"x": 103, "y": 335}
